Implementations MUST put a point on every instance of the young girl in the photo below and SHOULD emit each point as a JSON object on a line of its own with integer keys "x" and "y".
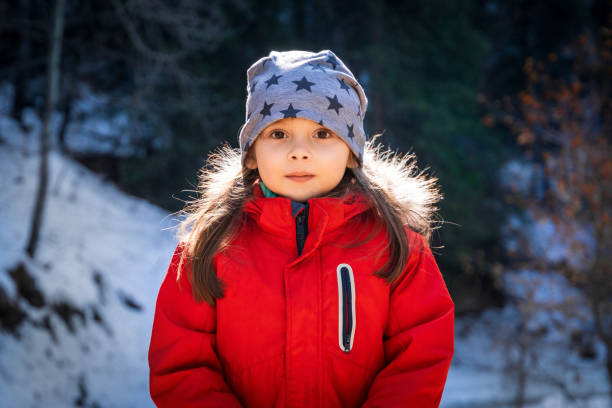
{"x": 303, "y": 276}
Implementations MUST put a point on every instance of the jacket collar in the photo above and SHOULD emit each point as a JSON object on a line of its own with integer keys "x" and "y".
{"x": 296, "y": 206}
{"x": 274, "y": 214}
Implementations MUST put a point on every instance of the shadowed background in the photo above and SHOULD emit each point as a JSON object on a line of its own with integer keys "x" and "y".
{"x": 507, "y": 103}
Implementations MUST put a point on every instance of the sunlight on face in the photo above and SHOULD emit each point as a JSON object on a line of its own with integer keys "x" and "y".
{"x": 299, "y": 159}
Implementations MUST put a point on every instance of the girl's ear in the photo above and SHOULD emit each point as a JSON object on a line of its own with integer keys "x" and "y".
{"x": 250, "y": 160}
{"x": 352, "y": 162}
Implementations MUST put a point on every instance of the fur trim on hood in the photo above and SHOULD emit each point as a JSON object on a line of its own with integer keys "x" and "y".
{"x": 415, "y": 192}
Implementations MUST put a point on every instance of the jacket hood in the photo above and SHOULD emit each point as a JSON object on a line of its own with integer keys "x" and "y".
{"x": 413, "y": 191}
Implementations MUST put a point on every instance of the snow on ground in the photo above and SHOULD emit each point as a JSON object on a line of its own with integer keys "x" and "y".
{"x": 101, "y": 258}
{"x": 484, "y": 348}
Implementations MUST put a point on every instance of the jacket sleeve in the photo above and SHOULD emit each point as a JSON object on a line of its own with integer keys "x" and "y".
{"x": 185, "y": 370}
{"x": 418, "y": 336}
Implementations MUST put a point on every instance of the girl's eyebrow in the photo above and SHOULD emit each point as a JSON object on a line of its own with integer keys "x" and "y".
{"x": 320, "y": 127}
{"x": 274, "y": 129}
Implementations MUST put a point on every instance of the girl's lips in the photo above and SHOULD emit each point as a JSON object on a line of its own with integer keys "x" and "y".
{"x": 299, "y": 179}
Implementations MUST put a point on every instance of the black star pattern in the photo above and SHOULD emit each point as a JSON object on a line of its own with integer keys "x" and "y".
{"x": 359, "y": 110}
{"x": 253, "y": 86}
{"x": 303, "y": 84}
{"x": 334, "y": 104}
{"x": 350, "y": 135}
{"x": 332, "y": 61}
{"x": 273, "y": 80}
{"x": 266, "y": 109}
{"x": 343, "y": 85}
{"x": 316, "y": 66}
{"x": 249, "y": 115}
{"x": 321, "y": 122}
{"x": 290, "y": 112}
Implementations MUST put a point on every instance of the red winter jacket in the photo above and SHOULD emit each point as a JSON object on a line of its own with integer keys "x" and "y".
{"x": 309, "y": 330}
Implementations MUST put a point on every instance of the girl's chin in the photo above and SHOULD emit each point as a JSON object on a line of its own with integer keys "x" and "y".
{"x": 299, "y": 197}
{"x": 301, "y": 192}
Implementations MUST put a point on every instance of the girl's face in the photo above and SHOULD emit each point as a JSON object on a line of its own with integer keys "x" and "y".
{"x": 299, "y": 159}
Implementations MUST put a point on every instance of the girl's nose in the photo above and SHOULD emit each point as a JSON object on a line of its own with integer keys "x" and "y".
{"x": 299, "y": 155}
{"x": 298, "y": 151}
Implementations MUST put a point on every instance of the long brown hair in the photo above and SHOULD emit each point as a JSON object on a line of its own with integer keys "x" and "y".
{"x": 400, "y": 195}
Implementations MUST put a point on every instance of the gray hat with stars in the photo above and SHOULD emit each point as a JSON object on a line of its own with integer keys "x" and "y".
{"x": 301, "y": 84}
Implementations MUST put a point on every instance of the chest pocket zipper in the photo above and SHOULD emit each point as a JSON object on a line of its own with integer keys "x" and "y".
{"x": 346, "y": 307}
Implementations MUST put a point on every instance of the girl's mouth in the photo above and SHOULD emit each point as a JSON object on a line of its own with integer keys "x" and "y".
{"x": 299, "y": 179}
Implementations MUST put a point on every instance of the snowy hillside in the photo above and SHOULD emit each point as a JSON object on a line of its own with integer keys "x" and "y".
{"x": 84, "y": 336}
{"x": 81, "y": 314}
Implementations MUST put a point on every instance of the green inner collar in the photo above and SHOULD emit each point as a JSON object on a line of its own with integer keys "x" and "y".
{"x": 267, "y": 192}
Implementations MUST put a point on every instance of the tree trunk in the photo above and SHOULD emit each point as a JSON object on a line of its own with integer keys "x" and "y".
{"x": 53, "y": 68}
{"x": 67, "y": 110}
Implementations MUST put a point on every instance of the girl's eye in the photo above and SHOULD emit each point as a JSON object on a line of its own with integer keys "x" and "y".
{"x": 324, "y": 134}
{"x": 277, "y": 134}
{"x": 320, "y": 134}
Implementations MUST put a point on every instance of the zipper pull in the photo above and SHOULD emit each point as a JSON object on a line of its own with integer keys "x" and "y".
{"x": 346, "y": 340}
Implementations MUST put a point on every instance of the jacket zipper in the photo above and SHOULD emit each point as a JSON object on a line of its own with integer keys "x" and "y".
{"x": 301, "y": 229}
{"x": 346, "y": 307}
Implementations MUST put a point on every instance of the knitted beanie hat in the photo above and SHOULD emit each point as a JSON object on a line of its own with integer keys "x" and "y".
{"x": 301, "y": 84}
